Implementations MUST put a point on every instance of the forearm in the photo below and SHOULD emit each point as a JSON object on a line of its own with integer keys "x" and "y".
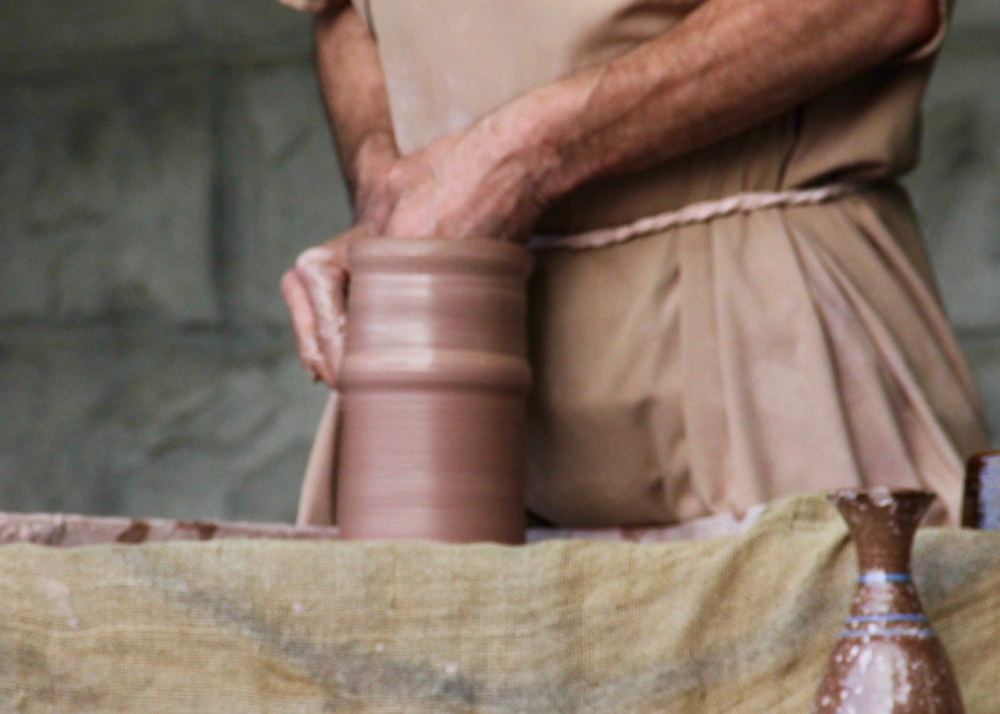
{"x": 729, "y": 66}
{"x": 354, "y": 93}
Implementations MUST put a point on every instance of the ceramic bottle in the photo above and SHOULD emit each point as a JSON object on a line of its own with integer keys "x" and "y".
{"x": 434, "y": 383}
{"x": 981, "y": 502}
{"x": 887, "y": 660}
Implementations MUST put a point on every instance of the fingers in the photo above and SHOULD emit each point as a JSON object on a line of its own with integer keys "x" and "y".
{"x": 304, "y": 326}
{"x": 315, "y": 291}
{"x": 322, "y": 272}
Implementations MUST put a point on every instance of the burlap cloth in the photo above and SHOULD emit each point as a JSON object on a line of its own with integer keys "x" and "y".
{"x": 733, "y": 624}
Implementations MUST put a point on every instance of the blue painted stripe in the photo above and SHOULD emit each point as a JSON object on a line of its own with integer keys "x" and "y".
{"x": 886, "y": 618}
{"x": 923, "y": 633}
{"x": 868, "y": 578}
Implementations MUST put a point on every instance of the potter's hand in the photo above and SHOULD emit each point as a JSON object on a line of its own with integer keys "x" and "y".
{"x": 472, "y": 184}
{"x": 468, "y": 184}
{"x": 315, "y": 291}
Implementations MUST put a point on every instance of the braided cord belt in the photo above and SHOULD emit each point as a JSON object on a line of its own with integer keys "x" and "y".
{"x": 701, "y": 212}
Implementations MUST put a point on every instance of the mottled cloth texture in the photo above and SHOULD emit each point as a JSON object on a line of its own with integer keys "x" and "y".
{"x": 734, "y": 624}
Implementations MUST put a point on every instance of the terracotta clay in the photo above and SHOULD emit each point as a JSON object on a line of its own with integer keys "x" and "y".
{"x": 981, "y": 504}
{"x": 888, "y": 660}
{"x": 434, "y": 384}
{"x": 67, "y": 530}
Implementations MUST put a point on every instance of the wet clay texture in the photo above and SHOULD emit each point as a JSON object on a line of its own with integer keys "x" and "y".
{"x": 888, "y": 660}
{"x": 435, "y": 381}
{"x": 981, "y": 503}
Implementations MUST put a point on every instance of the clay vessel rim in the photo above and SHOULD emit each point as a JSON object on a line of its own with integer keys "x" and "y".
{"x": 475, "y": 248}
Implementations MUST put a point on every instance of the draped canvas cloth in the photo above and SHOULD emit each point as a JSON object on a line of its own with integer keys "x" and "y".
{"x": 736, "y": 624}
{"x": 716, "y": 365}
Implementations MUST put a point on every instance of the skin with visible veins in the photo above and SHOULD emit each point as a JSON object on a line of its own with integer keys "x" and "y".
{"x": 728, "y": 66}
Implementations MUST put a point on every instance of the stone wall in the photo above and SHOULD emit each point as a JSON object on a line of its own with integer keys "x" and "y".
{"x": 956, "y": 189}
{"x": 162, "y": 163}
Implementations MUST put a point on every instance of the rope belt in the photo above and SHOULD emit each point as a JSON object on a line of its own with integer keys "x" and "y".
{"x": 701, "y": 212}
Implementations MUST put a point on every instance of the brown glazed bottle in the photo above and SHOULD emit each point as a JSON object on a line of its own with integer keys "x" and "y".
{"x": 887, "y": 660}
{"x": 434, "y": 383}
{"x": 981, "y": 503}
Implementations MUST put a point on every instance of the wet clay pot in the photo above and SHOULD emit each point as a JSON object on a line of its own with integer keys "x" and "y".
{"x": 887, "y": 660}
{"x": 981, "y": 503}
{"x": 434, "y": 383}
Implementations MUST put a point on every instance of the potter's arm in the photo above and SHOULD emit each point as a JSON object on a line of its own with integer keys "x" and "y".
{"x": 354, "y": 93}
{"x": 357, "y": 104}
{"x": 726, "y": 67}
{"x": 729, "y": 66}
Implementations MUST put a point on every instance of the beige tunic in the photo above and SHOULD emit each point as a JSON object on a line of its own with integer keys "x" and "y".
{"x": 713, "y": 366}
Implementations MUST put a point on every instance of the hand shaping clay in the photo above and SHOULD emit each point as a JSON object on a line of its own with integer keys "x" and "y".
{"x": 887, "y": 660}
{"x": 434, "y": 384}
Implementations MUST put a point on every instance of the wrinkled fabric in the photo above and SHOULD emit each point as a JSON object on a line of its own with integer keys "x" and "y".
{"x": 738, "y": 624}
{"x": 714, "y": 366}
{"x": 741, "y": 360}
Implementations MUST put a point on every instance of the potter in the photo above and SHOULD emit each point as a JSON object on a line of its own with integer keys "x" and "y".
{"x": 733, "y": 303}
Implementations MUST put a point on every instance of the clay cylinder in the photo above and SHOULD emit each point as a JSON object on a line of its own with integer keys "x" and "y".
{"x": 435, "y": 381}
{"x": 981, "y": 502}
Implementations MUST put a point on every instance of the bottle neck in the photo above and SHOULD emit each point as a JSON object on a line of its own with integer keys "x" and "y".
{"x": 883, "y": 525}
{"x": 883, "y": 556}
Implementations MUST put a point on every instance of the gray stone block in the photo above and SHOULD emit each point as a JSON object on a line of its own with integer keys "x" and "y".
{"x": 183, "y": 427}
{"x": 248, "y": 29}
{"x": 106, "y": 184}
{"x": 957, "y": 187}
{"x": 975, "y": 14}
{"x": 283, "y": 188}
{"x": 43, "y": 35}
